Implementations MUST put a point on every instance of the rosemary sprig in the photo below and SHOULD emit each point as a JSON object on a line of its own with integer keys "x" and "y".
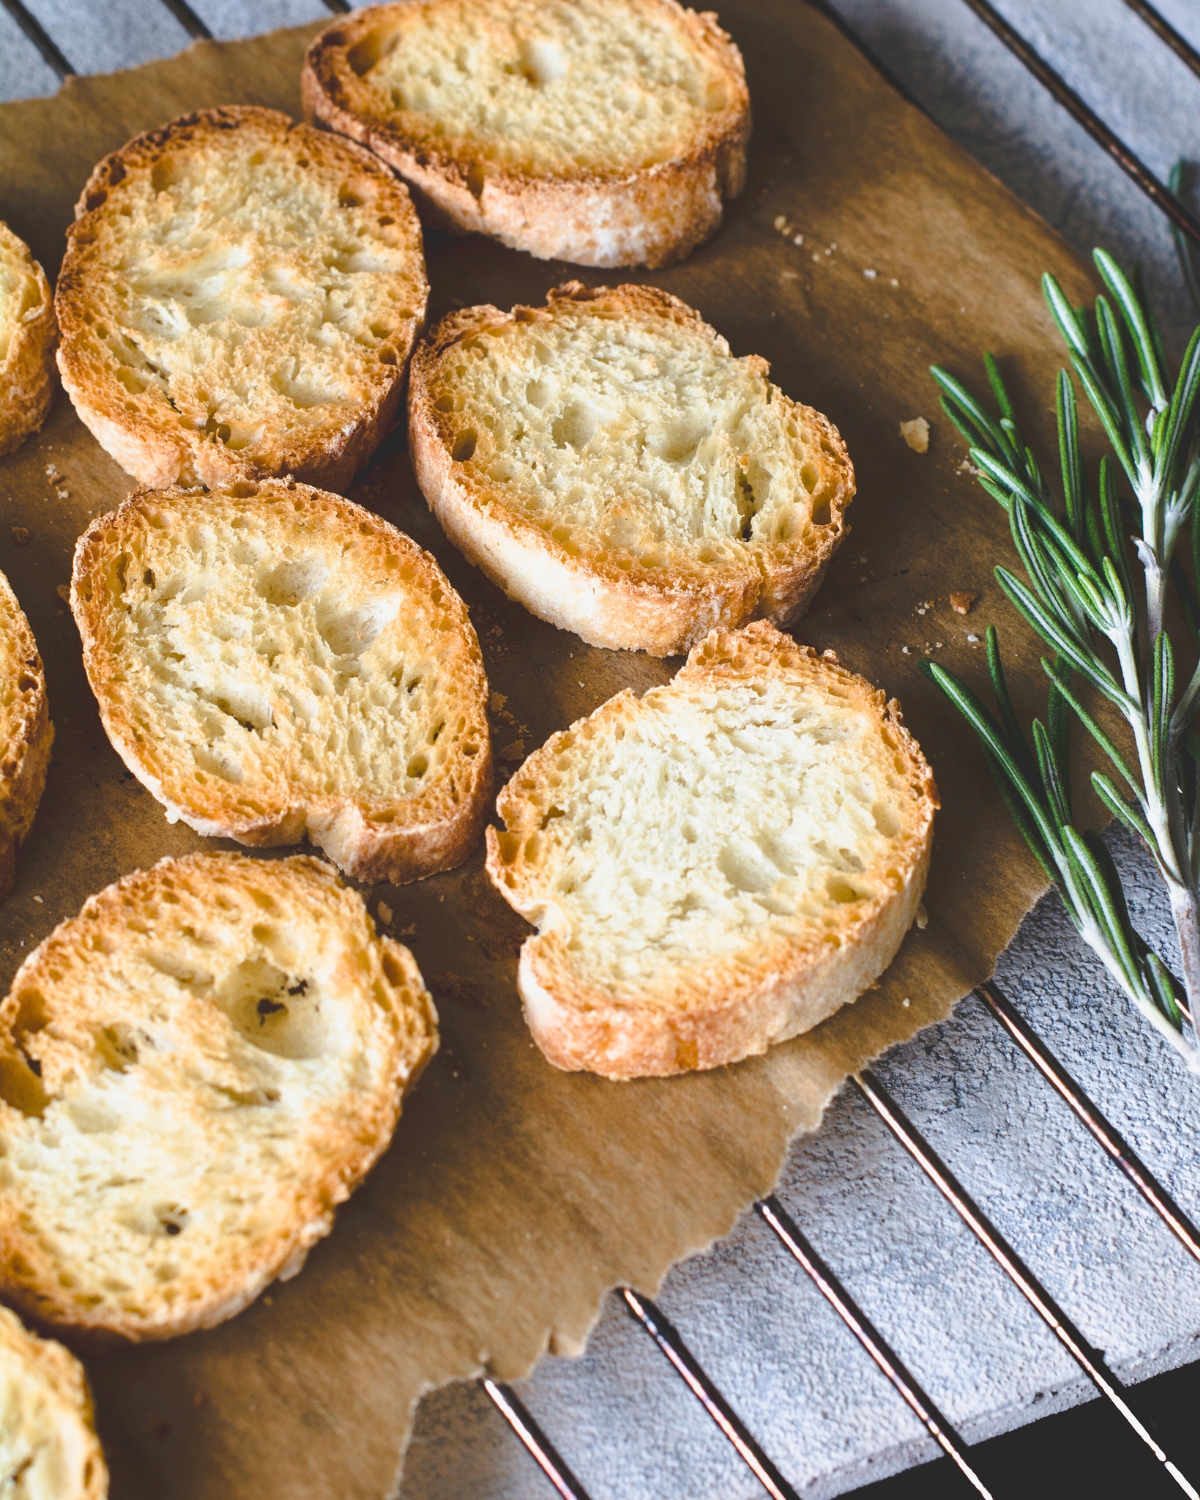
{"x": 1079, "y": 595}
{"x": 1185, "y": 251}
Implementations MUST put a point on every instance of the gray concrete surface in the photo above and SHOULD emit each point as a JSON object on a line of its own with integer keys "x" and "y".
{"x": 828, "y": 1419}
{"x": 97, "y": 37}
{"x": 233, "y": 18}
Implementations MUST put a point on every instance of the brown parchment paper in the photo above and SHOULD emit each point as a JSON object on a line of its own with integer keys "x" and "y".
{"x": 514, "y": 1196}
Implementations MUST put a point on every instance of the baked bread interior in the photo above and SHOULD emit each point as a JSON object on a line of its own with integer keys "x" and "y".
{"x": 194, "y": 1072}
{"x": 28, "y": 334}
{"x": 26, "y": 733}
{"x": 239, "y": 298}
{"x": 48, "y": 1445}
{"x": 609, "y": 463}
{"x": 273, "y": 661}
{"x": 603, "y": 132}
{"x": 716, "y": 866}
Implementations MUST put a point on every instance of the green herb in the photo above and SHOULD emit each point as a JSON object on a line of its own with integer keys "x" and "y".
{"x": 1079, "y": 595}
{"x": 1185, "y": 250}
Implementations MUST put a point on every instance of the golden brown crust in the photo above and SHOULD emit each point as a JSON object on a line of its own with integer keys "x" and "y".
{"x": 27, "y": 368}
{"x": 26, "y": 730}
{"x": 130, "y": 1034}
{"x": 736, "y": 1005}
{"x": 652, "y": 216}
{"x": 166, "y": 431}
{"x": 372, "y": 833}
{"x": 617, "y": 602}
{"x": 53, "y": 1410}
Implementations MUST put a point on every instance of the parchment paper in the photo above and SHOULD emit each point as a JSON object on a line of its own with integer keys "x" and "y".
{"x": 514, "y": 1196}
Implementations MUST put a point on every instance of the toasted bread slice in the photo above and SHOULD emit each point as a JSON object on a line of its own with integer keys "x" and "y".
{"x": 48, "y": 1446}
{"x": 608, "y": 462}
{"x": 717, "y": 866}
{"x": 26, "y": 733}
{"x": 273, "y": 661}
{"x": 239, "y": 299}
{"x": 28, "y": 334}
{"x": 604, "y": 132}
{"x": 194, "y": 1072}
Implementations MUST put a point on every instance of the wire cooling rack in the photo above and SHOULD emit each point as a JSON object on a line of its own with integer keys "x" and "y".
{"x": 1126, "y": 1404}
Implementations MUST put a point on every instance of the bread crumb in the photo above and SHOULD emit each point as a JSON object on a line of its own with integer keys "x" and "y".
{"x": 906, "y": 650}
{"x": 893, "y": 282}
{"x": 53, "y": 475}
{"x": 385, "y": 913}
{"x": 515, "y": 751}
{"x": 906, "y": 1002}
{"x": 20, "y": 535}
{"x": 961, "y": 601}
{"x": 63, "y": 590}
{"x": 469, "y": 991}
{"x": 870, "y": 275}
{"x": 916, "y": 434}
{"x": 816, "y": 257}
{"x": 797, "y": 239}
{"x": 967, "y": 467}
{"x": 409, "y": 931}
{"x": 781, "y": 222}
{"x": 39, "y": 900}
{"x": 974, "y": 640}
{"x": 496, "y": 702}
{"x": 922, "y": 917}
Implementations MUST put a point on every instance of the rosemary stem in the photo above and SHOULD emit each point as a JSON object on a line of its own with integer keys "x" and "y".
{"x": 1156, "y": 589}
{"x": 1185, "y": 709}
{"x": 1185, "y": 909}
{"x": 1157, "y": 813}
{"x": 1194, "y": 844}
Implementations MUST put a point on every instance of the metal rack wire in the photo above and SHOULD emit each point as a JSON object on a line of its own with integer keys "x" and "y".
{"x": 790, "y": 1236}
